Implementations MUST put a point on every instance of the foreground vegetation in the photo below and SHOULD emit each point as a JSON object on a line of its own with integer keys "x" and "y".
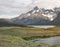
{"x": 26, "y": 32}
{"x": 20, "y": 36}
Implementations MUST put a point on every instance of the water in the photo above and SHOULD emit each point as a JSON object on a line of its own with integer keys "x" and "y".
{"x": 50, "y": 41}
{"x": 42, "y": 26}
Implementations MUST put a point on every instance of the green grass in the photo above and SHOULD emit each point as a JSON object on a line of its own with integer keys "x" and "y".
{"x": 30, "y": 32}
{"x": 20, "y": 36}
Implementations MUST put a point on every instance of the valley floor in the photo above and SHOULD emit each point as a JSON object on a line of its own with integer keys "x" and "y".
{"x": 21, "y": 36}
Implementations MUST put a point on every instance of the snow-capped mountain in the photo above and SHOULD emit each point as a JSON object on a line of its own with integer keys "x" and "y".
{"x": 37, "y": 16}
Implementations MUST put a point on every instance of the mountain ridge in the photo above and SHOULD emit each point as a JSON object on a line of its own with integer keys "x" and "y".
{"x": 37, "y": 16}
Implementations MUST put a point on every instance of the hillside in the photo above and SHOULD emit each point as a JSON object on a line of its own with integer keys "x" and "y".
{"x": 8, "y": 22}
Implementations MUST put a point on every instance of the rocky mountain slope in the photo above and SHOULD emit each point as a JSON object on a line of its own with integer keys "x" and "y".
{"x": 38, "y": 16}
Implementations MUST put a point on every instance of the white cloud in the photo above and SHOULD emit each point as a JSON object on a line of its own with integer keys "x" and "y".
{"x": 15, "y": 3}
{"x": 13, "y": 7}
{"x": 16, "y": 7}
{"x": 48, "y": 3}
{"x": 8, "y": 16}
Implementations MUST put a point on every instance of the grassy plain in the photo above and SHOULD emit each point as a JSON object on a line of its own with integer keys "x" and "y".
{"x": 20, "y": 36}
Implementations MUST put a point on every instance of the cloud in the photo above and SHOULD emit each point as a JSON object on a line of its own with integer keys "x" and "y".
{"x": 47, "y": 3}
{"x": 15, "y": 3}
{"x": 11, "y": 8}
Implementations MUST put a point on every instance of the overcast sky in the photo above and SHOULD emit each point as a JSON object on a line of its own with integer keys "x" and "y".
{"x": 13, "y": 8}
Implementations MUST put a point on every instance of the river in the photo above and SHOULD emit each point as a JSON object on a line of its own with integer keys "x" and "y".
{"x": 51, "y": 41}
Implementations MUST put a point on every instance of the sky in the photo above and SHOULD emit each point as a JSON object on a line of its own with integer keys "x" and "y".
{"x": 13, "y": 8}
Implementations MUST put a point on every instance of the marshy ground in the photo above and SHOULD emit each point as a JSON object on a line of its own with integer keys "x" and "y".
{"x": 20, "y": 36}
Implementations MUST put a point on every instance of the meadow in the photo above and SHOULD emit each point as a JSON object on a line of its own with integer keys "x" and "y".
{"x": 20, "y": 36}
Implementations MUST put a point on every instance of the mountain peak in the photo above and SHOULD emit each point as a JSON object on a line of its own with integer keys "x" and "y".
{"x": 36, "y": 8}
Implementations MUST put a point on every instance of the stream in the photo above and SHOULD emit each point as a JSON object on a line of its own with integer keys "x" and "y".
{"x": 51, "y": 41}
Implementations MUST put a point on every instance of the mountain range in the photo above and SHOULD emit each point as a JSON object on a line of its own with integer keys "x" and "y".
{"x": 36, "y": 16}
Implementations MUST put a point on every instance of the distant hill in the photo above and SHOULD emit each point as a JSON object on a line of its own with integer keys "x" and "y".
{"x": 7, "y": 22}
